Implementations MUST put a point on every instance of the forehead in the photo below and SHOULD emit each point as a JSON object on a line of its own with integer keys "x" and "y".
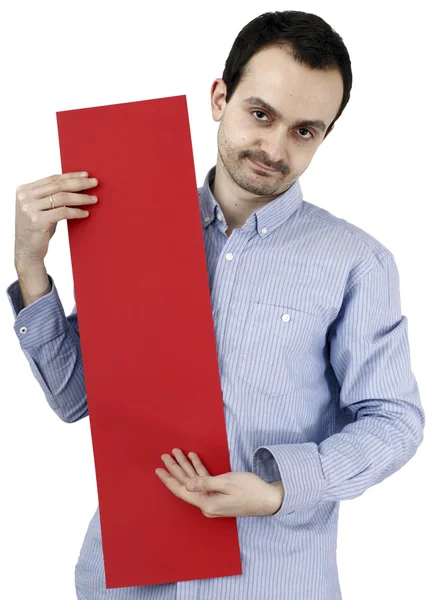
{"x": 290, "y": 87}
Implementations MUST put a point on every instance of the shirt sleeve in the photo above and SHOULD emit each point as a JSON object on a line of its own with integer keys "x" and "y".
{"x": 370, "y": 356}
{"x": 50, "y": 342}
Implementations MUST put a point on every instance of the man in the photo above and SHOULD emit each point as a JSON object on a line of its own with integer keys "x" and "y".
{"x": 320, "y": 400}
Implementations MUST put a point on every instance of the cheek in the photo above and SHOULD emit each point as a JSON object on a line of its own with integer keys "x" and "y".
{"x": 239, "y": 128}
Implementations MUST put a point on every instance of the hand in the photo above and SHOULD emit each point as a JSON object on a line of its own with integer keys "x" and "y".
{"x": 229, "y": 495}
{"x": 36, "y": 221}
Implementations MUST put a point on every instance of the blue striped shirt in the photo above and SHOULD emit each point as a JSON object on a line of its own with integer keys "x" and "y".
{"x": 317, "y": 387}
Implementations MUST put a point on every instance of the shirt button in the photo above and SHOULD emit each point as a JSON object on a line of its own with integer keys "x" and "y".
{"x": 285, "y": 317}
{"x": 207, "y": 220}
{"x": 23, "y": 329}
{"x": 229, "y": 256}
{"x": 264, "y": 230}
{"x": 219, "y": 217}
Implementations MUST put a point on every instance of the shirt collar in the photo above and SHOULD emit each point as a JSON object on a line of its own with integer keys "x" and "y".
{"x": 264, "y": 220}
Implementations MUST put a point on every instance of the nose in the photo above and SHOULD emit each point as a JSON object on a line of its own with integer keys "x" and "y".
{"x": 274, "y": 146}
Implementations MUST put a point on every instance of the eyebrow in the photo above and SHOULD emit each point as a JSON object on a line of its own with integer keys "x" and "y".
{"x": 275, "y": 113}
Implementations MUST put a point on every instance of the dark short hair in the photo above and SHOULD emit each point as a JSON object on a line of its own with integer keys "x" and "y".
{"x": 310, "y": 40}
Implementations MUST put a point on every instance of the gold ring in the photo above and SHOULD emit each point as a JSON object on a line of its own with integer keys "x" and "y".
{"x": 52, "y": 201}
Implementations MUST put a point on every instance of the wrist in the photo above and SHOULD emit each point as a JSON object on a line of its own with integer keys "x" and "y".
{"x": 276, "y": 497}
{"x": 25, "y": 268}
{"x": 33, "y": 281}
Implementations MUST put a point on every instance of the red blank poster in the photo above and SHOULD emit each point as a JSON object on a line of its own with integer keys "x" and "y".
{"x": 147, "y": 339}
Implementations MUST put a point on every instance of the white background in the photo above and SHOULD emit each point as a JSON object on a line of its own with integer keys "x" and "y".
{"x": 375, "y": 170}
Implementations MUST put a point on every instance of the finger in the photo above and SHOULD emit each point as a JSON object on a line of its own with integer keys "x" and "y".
{"x": 184, "y": 462}
{"x": 207, "y": 484}
{"x": 73, "y": 184}
{"x": 50, "y": 179}
{"x": 178, "y": 488}
{"x": 43, "y": 218}
{"x": 60, "y": 199}
{"x": 174, "y": 468}
{"x": 199, "y": 467}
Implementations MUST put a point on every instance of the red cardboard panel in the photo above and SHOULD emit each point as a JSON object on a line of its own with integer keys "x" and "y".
{"x": 147, "y": 338}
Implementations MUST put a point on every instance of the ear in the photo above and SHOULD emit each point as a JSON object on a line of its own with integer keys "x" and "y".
{"x": 218, "y": 94}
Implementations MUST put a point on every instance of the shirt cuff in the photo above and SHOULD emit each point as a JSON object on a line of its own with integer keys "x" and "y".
{"x": 298, "y": 467}
{"x": 41, "y": 321}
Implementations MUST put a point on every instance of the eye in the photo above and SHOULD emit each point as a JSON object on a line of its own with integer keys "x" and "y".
{"x": 303, "y": 129}
{"x": 261, "y": 113}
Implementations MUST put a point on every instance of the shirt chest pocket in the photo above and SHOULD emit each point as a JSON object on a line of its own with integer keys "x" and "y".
{"x": 274, "y": 347}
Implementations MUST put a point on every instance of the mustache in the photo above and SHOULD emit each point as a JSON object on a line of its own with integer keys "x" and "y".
{"x": 265, "y": 162}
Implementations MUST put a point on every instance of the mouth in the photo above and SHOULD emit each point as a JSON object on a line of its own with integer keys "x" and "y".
{"x": 262, "y": 167}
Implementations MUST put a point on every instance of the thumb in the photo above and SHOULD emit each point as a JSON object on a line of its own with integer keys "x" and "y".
{"x": 205, "y": 484}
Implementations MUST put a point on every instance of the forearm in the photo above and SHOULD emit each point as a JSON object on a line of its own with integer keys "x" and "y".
{"x": 347, "y": 463}
{"x": 50, "y": 341}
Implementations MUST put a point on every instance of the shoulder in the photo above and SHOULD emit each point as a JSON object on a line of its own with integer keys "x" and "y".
{"x": 356, "y": 249}
{"x": 357, "y": 236}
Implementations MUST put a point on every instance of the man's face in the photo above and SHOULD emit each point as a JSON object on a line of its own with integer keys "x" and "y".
{"x": 248, "y": 131}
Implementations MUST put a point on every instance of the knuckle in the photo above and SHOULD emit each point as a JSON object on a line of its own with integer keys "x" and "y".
{"x": 202, "y": 485}
{"x": 53, "y": 178}
{"x": 19, "y": 189}
{"x": 34, "y": 218}
{"x": 21, "y": 196}
{"x": 75, "y": 184}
